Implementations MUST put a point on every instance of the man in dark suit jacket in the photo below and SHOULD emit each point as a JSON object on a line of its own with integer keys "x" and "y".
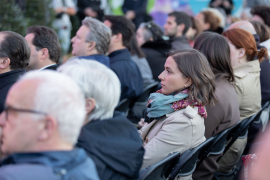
{"x": 14, "y": 57}
{"x": 45, "y": 48}
{"x": 120, "y": 58}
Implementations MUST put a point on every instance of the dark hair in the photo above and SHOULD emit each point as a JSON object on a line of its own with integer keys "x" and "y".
{"x": 182, "y": 18}
{"x": 122, "y": 25}
{"x": 134, "y": 49}
{"x": 46, "y": 38}
{"x": 217, "y": 51}
{"x": 243, "y": 39}
{"x": 263, "y": 12}
{"x": 16, "y": 48}
{"x": 194, "y": 65}
{"x": 195, "y": 25}
{"x": 212, "y": 19}
{"x": 262, "y": 30}
{"x": 151, "y": 30}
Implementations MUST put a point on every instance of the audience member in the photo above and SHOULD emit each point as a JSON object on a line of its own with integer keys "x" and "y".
{"x": 92, "y": 41}
{"x": 112, "y": 142}
{"x": 88, "y": 8}
{"x": 193, "y": 31}
{"x": 138, "y": 57}
{"x": 221, "y": 18}
{"x": 120, "y": 58}
{"x": 63, "y": 9}
{"x": 14, "y": 57}
{"x": 247, "y": 85}
{"x": 135, "y": 11}
{"x": 45, "y": 48}
{"x": 176, "y": 27}
{"x": 208, "y": 21}
{"x": 264, "y": 33}
{"x": 226, "y": 5}
{"x": 261, "y": 13}
{"x": 225, "y": 113}
{"x": 39, "y": 132}
{"x": 149, "y": 37}
{"x": 176, "y": 112}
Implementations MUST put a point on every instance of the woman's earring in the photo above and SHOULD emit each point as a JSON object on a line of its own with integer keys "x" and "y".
{"x": 185, "y": 85}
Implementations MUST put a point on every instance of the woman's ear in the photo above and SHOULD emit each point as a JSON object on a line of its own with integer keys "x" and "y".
{"x": 189, "y": 82}
{"x": 90, "y": 104}
{"x": 241, "y": 53}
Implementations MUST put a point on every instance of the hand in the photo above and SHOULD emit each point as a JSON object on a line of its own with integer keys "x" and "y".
{"x": 217, "y": 3}
{"x": 226, "y": 4}
{"x": 89, "y": 12}
{"x": 141, "y": 122}
{"x": 58, "y": 10}
{"x": 130, "y": 14}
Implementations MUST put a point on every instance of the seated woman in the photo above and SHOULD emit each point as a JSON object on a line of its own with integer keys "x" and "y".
{"x": 225, "y": 113}
{"x": 247, "y": 85}
{"x": 176, "y": 112}
{"x": 109, "y": 139}
{"x": 149, "y": 37}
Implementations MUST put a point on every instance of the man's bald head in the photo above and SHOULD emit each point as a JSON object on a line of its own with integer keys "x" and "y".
{"x": 245, "y": 25}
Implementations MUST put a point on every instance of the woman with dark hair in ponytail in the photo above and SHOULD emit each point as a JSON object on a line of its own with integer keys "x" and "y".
{"x": 245, "y": 60}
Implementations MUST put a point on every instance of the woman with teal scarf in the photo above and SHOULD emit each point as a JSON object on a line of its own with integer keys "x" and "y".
{"x": 176, "y": 112}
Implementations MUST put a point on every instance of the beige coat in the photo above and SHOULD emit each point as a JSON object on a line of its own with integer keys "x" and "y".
{"x": 248, "y": 89}
{"x": 178, "y": 131}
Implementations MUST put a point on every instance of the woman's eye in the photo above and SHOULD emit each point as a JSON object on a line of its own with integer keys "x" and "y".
{"x": 168, "y": 71}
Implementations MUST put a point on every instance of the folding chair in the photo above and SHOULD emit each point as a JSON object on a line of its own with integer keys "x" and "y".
{"x": 186, "y": 164}
{"x": 161, "y": 170}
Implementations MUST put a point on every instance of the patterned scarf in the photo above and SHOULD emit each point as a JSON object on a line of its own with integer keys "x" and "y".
{"x": 160, "y": 105}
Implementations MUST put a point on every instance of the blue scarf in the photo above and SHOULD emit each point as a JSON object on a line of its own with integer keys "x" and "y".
{"x": 160, "y": 104}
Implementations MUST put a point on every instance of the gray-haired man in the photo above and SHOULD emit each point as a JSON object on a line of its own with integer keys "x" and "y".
{"x": 92, "y": 41}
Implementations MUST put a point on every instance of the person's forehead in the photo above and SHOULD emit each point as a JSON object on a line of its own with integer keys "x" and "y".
{"x": 171, "y": 18}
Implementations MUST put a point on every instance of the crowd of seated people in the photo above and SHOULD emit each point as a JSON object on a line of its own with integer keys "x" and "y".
{"x": 59, "y": 121}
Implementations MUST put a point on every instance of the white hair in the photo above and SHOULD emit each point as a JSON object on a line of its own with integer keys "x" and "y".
{"x": 97, "y": 82}
{"x": 60, "y": 97}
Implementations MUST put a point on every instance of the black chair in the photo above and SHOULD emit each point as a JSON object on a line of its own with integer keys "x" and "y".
{"x": 138, "y": 105}
{"x": 243, "y": 127}
{"x": 123, "y": 106}
{"x": 240, "y": 132}
{"x": 186, "y": 164}
{"x": 161, "y": 170}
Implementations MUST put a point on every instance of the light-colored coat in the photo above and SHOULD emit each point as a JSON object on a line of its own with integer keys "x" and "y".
{"x": 248, "y": 90}
{"x": 177, "y": 131}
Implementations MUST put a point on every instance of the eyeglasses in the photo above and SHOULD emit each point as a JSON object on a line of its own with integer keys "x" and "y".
{"x": 8, "y": 109}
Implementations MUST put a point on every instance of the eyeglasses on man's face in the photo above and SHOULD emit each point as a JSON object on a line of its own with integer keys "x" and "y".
{"x": 9, "y": 109}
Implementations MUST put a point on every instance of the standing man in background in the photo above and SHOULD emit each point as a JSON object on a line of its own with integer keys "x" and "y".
{"x": 135, "y": 10}
{"x": 63, "y": 9}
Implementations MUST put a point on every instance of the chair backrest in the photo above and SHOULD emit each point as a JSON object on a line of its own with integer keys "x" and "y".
{"x": 160, "y": 170}
{"x": 123, "y": 106}
{"x": 242, "y": 130}
{"x": 186, "y": 164}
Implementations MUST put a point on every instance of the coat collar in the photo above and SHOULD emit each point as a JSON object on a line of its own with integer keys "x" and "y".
{"x": 242, "y": 70}
{"x": 10, "y": 77}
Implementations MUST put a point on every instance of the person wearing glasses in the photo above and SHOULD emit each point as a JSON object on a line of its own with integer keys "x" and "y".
{"x": 43, "y": 115}
{"x": 14, "y": 57}
{"x": 150, "y": 38}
